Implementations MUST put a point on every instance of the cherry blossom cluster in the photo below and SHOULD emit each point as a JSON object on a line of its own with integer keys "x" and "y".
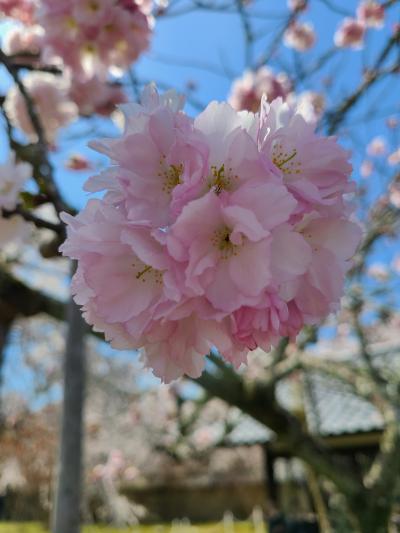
{"x": 87, "y": 40}
{"x": 22, "y": 10}
{"x": 300, "y": 36}
{"x": 49, "y": 95}
{"x": 246, "y": 92}
{"x": 92, "y": 36}
{"x": 13, "y": 177}
{"x": 229, "y": 230}
{"x": 351, "y": 31}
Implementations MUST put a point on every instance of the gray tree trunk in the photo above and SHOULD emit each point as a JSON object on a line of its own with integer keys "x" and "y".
{"x": 67, "y": 510}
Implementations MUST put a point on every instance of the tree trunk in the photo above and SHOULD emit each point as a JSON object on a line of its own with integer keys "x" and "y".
{"x": 4, "y": 331}
{"x": 66, "y": 516}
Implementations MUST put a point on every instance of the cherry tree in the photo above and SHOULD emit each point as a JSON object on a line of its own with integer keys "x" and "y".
{"x": 232, "y": 230}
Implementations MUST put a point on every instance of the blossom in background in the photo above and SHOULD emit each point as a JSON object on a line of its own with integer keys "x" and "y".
{"x": 396, "y": 264}
{"x": 13, "y": 177}
{"x": 310, "y": 104}
{"x": 12, "y": 229}
{"x": 300, "y": 36}
{"x": 394, "y": 195}
{"x": 350, "y": 34}
{"x": 229, "y": 230}
{"x": 92, "y": 36}
{"x": 394, "y": 158}
{"x": 379, "y": 271}
{"x": 371, "y": 13}
{"x": 50, "y": 96}
{"x": 246, "y": 92}
{"x": 366, "y": 168}
{"x": 297, "y": 5}
{"x": 377, "y": 147}
{"x": 78, "y": 162}
{"x": 392, "y": 122}
{"x": 95, "y": 96}
{"x": 23, "y": 39}
{"x": 23, "y": 10}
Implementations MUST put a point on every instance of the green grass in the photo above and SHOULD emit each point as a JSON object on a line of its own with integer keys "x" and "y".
{"x": 238, "y": 527}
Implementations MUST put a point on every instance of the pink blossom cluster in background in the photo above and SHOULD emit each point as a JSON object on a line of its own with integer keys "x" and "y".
{"x": 23, "y": 39}
{"x": 59, "y": 100}
{"x": 246, "y": 92}
{"x": 88, "y": 40}
{"x": 92, "y": 36}
{"x": 95, "y": 95}
{"x": 229, "y": 230}
{"x": 300, "y": 36}
{"x": 49, "y": 93}
{"x": 310, "y": 104}
{"x": 351, "y": 31}
{"x": 13, "y": 177}
{"x": 23, "y": 10}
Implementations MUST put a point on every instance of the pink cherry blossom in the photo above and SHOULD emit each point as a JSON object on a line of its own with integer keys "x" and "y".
{"x": 95, "y": 96}
{"x": 221, "y": 243}
{"x": 379, "y": 271}
{"x": 13, "y": 229}
{"x": 22, "y": 39}
{"x": 246, "y": 92}
{"x": 78, "y": 162}
{"x": 264, "y": 325}
{"x": 158, "y": 162}
{"x": 297, "y": 5}
{"x": 394, "y": 195}
{"x": 371, "y": 13}
{"x": 396, "y": 264}
{"x": 98, "y": 239}
{"x": 49, "y": 93}
{"x": 394, "y": 158}
{"x": 178, "y": 347}
{"x": 392, "y": 122}
{"x": 309, "y": 104}
{"x": 227, "y": 231}
{"x": 315, "y": 169}
{"x": 92, "y": 36}
{"x": 300, "y": 36}
{"x": 350, "y": 34}
{"x": 366, "y": 168}
{"x": 318, "y": 292}
{"x": 13, "y": 176}
{"x": 23, "y": 10}
{"x": 377, "y": 147}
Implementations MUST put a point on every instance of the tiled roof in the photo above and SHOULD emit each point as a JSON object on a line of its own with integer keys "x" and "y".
{"x": 330, "y": 409}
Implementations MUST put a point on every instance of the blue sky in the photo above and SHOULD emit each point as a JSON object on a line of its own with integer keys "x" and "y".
{"x": 207, "y": 49}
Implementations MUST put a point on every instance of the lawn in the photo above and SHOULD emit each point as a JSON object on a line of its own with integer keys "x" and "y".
{"x": 238, "y": 527}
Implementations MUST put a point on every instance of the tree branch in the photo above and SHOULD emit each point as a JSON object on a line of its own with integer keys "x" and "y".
{"x": 258, "y": 400}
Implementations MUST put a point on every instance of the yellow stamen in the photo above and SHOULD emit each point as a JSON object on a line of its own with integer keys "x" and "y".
{"x": 221, "y": 240}
{"x": 285, "y": 161}
{"x": 220, "y": 179}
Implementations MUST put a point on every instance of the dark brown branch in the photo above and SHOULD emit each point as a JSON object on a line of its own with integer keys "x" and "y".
{"x": 41, "y": 147}
{"x": 336, "y": 117}
{"x": 30, "y": 217}
{"x": 264, "y": 59}
{"x": 17, "y": 299}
